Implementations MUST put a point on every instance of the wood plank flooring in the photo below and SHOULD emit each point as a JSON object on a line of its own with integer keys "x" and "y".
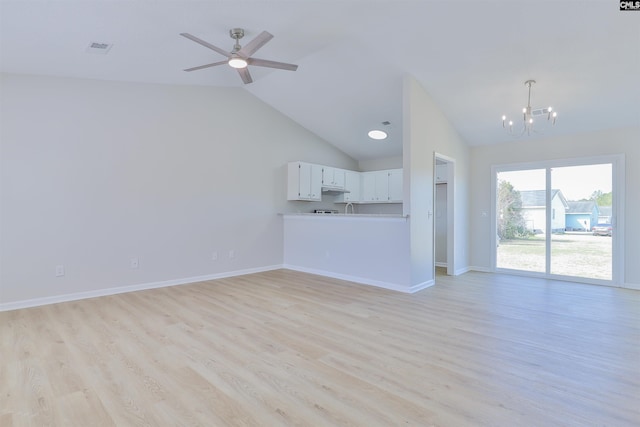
{"x": 286, "y": 348}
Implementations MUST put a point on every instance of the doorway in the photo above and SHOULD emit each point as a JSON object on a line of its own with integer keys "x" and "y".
{"x": 443, "y": 212}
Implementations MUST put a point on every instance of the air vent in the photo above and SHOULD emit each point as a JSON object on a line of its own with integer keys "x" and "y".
{"x": 99, "y": 48}
{"x": 539, "y": 112}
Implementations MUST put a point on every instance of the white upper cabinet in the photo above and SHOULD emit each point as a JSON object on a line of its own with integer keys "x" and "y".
{"x": 304, "y": 181}
{"x": 333, "y": 177}
{"x": 352, "y": 188}
{"x": 368, "y": 187}
{"x": 383, "y": 186}
{"x": 395, "y": 186}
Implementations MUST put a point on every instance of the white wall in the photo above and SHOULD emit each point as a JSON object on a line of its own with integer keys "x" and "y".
{"x": 94, "y": 173}
{"x": 427, "y": 131}
{"x": 370, "y": 250}
{"x": 621, "y": 141}
{"x": 380, "y": 164}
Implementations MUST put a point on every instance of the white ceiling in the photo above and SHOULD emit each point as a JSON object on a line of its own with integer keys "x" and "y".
{"x": 471, "y": 56}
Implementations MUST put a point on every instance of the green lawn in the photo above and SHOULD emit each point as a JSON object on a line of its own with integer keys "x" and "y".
{"x": 572, "y": 254}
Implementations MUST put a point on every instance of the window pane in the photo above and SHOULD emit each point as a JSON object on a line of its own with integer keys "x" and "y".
{"x": 582, "y": 247}
{"x": 521, "y": 220}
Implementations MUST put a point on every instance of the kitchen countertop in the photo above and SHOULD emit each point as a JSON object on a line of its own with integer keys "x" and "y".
{"x": 341, "y": 215}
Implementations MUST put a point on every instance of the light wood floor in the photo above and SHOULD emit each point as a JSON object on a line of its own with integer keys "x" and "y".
{"x": 286, "y": 348}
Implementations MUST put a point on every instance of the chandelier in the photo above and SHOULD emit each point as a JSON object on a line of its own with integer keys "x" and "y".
{"x": 528, "y": 116}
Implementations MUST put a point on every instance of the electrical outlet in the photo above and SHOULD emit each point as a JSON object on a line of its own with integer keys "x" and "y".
{"x": 59, "y": 270}
{"x": 133, "y": 262}
{"x": 232, "y": 254}
{"x": 214, "y": 256}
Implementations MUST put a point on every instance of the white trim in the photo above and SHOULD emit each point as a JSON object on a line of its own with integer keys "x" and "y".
{"x": 132, "y": 288}
{"x": 462, "y": 270}
{"x": 420, "y": 286}
{"x": 451, "y": 218}
{"x": 480, "y": 269}
{"x": 441, "y": 264}
{"x": 386, "y": 285}
{"x": 634, "y": 286}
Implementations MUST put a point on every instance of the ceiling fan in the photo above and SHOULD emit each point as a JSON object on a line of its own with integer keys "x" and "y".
{"x": 240, "y": 57}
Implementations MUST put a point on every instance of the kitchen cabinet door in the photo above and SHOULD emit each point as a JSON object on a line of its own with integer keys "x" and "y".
{"x": 315, "y": 177}
{"x": 395, "y": 186}
{"x": 352, "y": 185}
{"x": 382, "y": 186}
{"x": 368, "y": 187}
{"x": 333, "y": 177}
{"x": 304, "y": 181}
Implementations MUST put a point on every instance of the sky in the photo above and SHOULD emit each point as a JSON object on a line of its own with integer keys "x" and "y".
{"x": 576, "y": 182}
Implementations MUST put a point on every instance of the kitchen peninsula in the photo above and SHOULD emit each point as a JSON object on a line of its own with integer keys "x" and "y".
{"x": 365, "y": 247}
{"x": 369, "y": 249}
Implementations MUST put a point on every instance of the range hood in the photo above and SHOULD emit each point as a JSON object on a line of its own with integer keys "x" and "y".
{"x": 334, "y": 190}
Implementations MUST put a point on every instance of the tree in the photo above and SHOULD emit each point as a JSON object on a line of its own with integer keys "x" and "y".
{"x": 511, "y": 222}
{"x": 602, "y": 199}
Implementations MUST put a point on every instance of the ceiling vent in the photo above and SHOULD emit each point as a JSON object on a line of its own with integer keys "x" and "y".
{"x": 99, "y": 48}
{"x": 540, "y": 112}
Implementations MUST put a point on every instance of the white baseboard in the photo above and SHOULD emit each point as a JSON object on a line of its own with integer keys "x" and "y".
{"x": 361, "y": 280}
{"x": 480, "y": 269}
{"x": 132, "y": 288}
{"x": 441, "y": 264}
{"x": 460, "y": 271}
{"x": 635, "y": 286}
{"x": 420, "y": 286}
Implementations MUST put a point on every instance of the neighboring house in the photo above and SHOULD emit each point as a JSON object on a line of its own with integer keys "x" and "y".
{"x": 534, "y": 213}
{"x": 604, "y": 216}
{"x": 582, "y": 215}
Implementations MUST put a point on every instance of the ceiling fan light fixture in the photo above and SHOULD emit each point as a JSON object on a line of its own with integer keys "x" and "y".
{"x": 236, "y": 61}
{"x": 377, "y": 134}
{"x": 241, "y": 57}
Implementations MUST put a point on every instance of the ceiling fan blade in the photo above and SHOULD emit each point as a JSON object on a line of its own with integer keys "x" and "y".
{"x": 255, "y": 44}
{"x": 200, "y": 67}
{"x": 272, "y": 64}
{"x": 206, "y": 44}
{"x": 245, "y": 75}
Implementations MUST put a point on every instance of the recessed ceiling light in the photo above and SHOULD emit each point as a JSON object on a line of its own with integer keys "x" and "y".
{"x": 377, "y": 134}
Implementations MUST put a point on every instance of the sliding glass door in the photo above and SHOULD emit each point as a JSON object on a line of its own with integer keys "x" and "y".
{"x": 558, "y": 220}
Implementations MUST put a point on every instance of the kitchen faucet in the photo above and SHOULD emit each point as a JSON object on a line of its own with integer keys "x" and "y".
{"x": 346, "y": 208}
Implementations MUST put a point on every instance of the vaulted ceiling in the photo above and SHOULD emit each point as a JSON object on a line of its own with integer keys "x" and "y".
{"x": 471, "y": 56}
